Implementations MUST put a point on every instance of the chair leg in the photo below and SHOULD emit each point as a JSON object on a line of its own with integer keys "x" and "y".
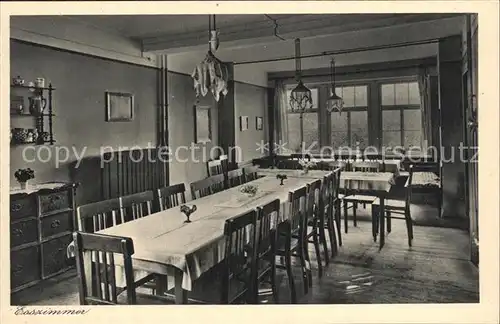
{"x": 316, "y": 248}
{"x": 440, "y": 202}
{"x": 289, "y": 273}
{"x": 332, "y": 230}
{"x": 374, "y": 223}
{"x": 305, "y": 277}
{"x": 337, "y": 221}
{"x": 272, "y": 280}
{"x": 409, "y": 229}
{"x": 322, "y": 238}
{"x": 389, "y": 225}
{"x": 307, "y": 262}
{"x": 354, "y": 219}
{"x": 345, "y": 217}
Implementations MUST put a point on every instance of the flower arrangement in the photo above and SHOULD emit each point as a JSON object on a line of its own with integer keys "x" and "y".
{"x": 281, "y": 177}
{"x": 306, "y": 165}
{"x": 249, "y": 189}
{"x": 23, "y": 175}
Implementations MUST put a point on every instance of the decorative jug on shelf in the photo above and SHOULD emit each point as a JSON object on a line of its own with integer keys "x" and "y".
{"x": 37, "y": 105}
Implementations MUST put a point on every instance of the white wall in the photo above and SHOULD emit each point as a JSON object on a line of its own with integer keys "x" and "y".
{"x": 257, "y": 73}
{"x": 70, "y": 34}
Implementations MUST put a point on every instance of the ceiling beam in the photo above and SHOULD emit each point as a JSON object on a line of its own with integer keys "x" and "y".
{"x": 302, "y": 26}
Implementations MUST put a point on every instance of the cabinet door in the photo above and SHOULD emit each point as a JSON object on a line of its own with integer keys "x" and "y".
{"x": 55, "y": 201}
{"x": 54, "y": 258}
{"x": 56, "y": 224}
{"x": 23, "y": 232}
{"x": 25, "y": 266}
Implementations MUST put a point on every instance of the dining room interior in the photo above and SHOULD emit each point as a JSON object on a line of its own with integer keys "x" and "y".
{"x": 244, "y": 159}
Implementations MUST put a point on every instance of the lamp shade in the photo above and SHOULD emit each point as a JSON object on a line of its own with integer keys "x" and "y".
{"x": 300, "y": 98}
{"x": 334, "y": 103}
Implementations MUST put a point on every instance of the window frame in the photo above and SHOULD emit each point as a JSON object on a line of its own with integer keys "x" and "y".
{"x": 401, "y": 108}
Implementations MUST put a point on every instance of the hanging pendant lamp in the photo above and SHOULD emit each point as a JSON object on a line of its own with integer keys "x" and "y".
{"x": 300, "y": 97}
{"x": 334, "y": 103}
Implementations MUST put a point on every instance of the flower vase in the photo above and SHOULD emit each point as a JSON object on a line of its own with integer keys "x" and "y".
{"x": 305, "y": 171}
{"x": 23, "y": 184}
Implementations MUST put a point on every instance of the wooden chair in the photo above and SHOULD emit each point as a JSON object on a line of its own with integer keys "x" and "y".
{"x": 233, "y": 278}
{"x": 355, "y": 199}
{"x": 267, "y": 223}
{"x": 427, "y": 179}
{"x": 235, "y": 177}
{"x": 316, "y": 221}
{"x": 99, "y": 215}
{"x": 401, "y": 207}
{"x": 208, "y": 186}
{"x": 137, "y": 205}
{"x": 336, "y": 202}
{"x": 217, "y": 166}
{"x": 250, "y": 173}
{"x": 95, "y": 263}
{"x": 326, "y": 209}
{"x": 291, "y": 240}
{"x": 171, "y": 196}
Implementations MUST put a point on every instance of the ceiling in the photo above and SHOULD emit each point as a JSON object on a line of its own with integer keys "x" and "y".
{"x": 184, "y": 33}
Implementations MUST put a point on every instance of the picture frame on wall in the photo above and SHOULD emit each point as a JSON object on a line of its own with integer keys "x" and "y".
{"x": 202, "y": 124}
{"x": 243, "y": 123}
{"x": 259, "y": 123}
{"x": 119, "y": 106}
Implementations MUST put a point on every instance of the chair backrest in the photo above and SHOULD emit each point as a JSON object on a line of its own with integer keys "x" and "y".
{"x": 208, "y": 186}
{"x": 137, "y": 205}
{"x": 250, "y": 173}
{"x": 366, "y": 166}
{"x": 313, "y": 195}
{"x": 335, "y": 184}
{"x": 267, "y": 222}
{"x": 171, "y": 196}
{"x": 289, "y": 164}
{"x": 300, "y": 156}
{"x": 97, "y": 216}
{"x": 239, "y": 257}
{"x": 95, "y": 263}
{"x": 297, "y": 201}
{"x": 326, "y": 195}
{"x": 235, "y": 177}
{"x": 217, "y": 166}
{"x": 214, "y": 167}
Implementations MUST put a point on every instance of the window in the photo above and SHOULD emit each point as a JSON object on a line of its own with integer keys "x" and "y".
{"x": 350, "y": 127}
{"x": 401, "y": 115}
{"x": 310, "y": 130}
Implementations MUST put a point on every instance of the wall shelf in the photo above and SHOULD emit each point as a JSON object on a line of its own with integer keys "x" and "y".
{"x": 43, "y": 121}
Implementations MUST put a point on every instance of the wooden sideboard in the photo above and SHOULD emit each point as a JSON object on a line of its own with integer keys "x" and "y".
{"x": 42, "y": 221}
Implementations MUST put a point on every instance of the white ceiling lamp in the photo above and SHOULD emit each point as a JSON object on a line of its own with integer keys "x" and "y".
{"x": 334, "y": 103}
{"x": 211, "y": 74}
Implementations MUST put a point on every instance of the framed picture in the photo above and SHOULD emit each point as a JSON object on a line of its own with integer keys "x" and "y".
{"x": 202, "y": 124}
{"x": 119, "y": 106}
{"x": 243, "y": 123}
{"x": 259, "y": 123}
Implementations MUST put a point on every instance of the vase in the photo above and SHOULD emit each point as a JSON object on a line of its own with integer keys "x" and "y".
{"x": 23, "y": 184}
{"x": 305, "y": 171}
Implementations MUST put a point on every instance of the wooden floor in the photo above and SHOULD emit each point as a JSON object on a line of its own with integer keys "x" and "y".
{"x": 435, "y": 270}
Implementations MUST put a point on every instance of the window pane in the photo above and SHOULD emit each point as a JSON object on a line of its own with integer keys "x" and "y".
{"x": 402, "y": 93}
{"x": 338, "y": 121}
{"x": 412, "y": 138}
{"x": 391, "y": 138}
{"x": 412, "y": 119}
{"x": 388, "y": 95}
{"x": 314, "y": 94}
{"x": 391, "y": 120}
{"x": 414, "y": 94}
{"x": 361, "y": 96}
{"x": 288, "y": 93}
{"x": 339, "y": 139}
{"x": 311, "y": 131}
{"x": 293, "y": 132}
{"x": 359, "y": 129}
{"x": 348, "y": 96}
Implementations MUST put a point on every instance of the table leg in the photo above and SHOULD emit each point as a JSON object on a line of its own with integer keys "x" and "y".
{"x": 180, "y": 293}
{"x": 381, "y": 218}
{"x": 161, "y": 284}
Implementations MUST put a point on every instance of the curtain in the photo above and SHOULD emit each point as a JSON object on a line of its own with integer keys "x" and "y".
{"x": 280, "y": 102}
{"x": 425, "y": 107}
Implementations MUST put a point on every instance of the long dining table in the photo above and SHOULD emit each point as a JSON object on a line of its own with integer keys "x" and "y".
{"x": 370, "y": 183}
{"x": 178, "y": 252}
